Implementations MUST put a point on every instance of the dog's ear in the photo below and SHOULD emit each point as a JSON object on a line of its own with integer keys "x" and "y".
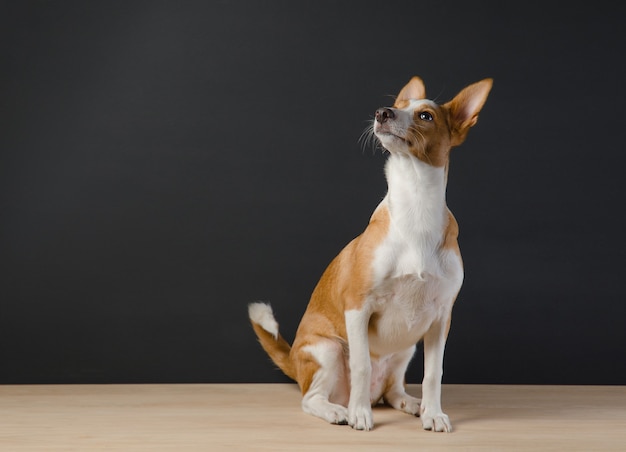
{"x": 413, "y": 90}
{"x": 464, "y": 108}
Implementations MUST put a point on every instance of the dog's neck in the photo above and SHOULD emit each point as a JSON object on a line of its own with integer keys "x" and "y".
{"x": 416, "y": 197}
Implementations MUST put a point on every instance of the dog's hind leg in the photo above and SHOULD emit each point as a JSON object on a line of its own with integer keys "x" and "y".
{"x": 395, "y": 394}
{"x": 326, "y": 390}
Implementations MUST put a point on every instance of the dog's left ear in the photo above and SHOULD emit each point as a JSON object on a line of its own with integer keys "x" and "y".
{"x": 464, "y": 108}
{"x": 413, "y": 90}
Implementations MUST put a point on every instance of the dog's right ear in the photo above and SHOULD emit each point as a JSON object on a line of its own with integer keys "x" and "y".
{"x": 413, "y": 90}
{"x": 464, "y": 108}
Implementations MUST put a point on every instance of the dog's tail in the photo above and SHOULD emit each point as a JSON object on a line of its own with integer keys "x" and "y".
{"x": 266, "y": 329}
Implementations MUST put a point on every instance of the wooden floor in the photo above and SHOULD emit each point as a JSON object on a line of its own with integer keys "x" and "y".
{"x": 267, "y": 417}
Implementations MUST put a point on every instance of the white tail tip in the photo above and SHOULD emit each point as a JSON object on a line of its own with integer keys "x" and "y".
{"x": 261, "y": 314}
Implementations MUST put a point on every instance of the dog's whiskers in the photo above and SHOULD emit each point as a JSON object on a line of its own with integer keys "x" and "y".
{"x": 368, "y": 138}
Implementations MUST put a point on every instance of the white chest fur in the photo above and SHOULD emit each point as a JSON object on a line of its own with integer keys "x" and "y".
{"x": 415, "y": 279}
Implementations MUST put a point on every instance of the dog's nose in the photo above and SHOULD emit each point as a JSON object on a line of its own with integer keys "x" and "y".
{"x": 383, "y": 114}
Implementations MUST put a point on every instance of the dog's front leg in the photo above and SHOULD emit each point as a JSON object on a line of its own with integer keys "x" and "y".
{"x": 433, "y": 418}
{"x": 360, "y": 406}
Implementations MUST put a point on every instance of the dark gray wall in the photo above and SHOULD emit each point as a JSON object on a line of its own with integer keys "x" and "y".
{"x": 165, "y": 163}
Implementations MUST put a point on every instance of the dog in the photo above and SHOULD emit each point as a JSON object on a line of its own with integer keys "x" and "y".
{"x": 393, "y": 285}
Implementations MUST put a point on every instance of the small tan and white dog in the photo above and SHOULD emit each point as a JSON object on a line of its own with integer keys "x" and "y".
{"x": 393, "y": 285}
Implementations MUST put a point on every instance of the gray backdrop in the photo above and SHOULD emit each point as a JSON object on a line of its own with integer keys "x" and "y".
{"x": 165, "y": 163}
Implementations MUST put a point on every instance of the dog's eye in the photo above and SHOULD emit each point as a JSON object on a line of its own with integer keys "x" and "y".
{"x": 425, "y": 116}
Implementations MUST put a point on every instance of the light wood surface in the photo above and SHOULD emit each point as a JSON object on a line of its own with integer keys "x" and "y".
{"x": 267, "y": 417}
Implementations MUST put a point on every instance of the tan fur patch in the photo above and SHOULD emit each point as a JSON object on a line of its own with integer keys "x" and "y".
{"x": 451, "y": 234}
{"x": 344, "y": 286}
{"x": 430, "y": 140}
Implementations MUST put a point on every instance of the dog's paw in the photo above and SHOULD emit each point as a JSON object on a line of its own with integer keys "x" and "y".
{"x": 337, "y": 414}
{"x": 404, "y": 402}
{"x": 360, "y": 417}
{"x": 412, "y": 405}
{"x": 322, "y": 408}
{"x": 438, "y": 422}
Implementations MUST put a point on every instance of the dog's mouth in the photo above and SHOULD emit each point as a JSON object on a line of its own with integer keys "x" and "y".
{"x": 390, "y": 135}
{"x": 387, "y": 132}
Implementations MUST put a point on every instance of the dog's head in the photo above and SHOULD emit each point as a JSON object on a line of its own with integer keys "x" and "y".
{"x": 419, "y": 127}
